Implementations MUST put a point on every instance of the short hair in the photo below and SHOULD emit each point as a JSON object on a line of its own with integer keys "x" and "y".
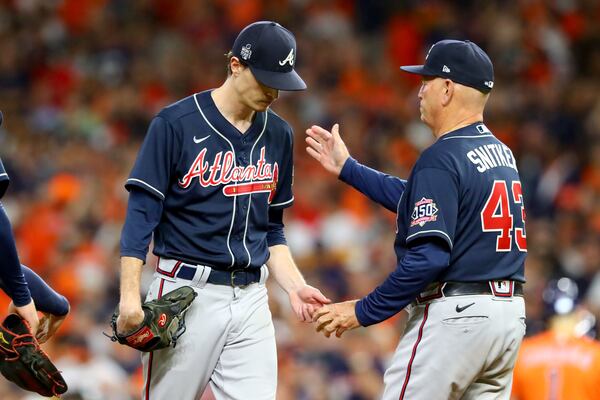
{"x": 228, "y": 56}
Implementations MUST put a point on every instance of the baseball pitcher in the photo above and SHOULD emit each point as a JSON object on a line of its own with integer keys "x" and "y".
{"x": 210, "y": 182}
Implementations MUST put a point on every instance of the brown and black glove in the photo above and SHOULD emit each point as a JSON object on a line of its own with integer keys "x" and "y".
{"x": 23, "y": 362}
{"x": 163, "y": 322}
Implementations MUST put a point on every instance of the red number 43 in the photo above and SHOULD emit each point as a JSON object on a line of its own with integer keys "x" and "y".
{"x": 496, "y": 216}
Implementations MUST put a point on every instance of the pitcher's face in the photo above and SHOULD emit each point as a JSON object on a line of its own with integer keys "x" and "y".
{"x": 252, "y": 93}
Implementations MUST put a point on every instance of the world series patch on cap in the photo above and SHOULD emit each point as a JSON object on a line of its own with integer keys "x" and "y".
{"x": 460, "y": 61}
{"x": 270, "y": 51}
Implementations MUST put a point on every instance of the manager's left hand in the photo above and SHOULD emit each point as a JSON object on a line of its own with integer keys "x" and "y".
{"x": 337, "y": 317}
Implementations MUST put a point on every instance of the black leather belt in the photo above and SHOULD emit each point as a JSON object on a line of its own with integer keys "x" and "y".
{"x": 448, "y": 289}
{"x": 472, "y": 288}
{"x": 237, "y": 277}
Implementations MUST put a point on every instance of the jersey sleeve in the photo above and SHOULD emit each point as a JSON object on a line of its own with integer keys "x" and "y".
{"x": 156, "y": 159}
{"x": 432, "y": 205}
{"x": 382, "y": 188}
{"x": 3, "y": 180}
{"x": 283, "y": 176}
{"x": 12, "y": 280}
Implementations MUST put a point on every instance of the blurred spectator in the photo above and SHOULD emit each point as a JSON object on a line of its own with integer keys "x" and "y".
{"x": 563, "y": 362}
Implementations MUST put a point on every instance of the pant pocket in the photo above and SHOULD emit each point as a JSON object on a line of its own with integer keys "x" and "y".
{"x": 465, "y": 320}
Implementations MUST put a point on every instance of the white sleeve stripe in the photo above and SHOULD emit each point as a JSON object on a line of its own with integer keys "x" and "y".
{"x": 431, "y": 231}
{"x": 4, "y": 174}
{"x": 284, "y": 203}
{"x": 146, "y": 184}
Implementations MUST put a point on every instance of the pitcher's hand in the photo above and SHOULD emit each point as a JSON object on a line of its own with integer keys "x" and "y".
{"x": 130, "y": 318}
{"x": 306, "y": 300}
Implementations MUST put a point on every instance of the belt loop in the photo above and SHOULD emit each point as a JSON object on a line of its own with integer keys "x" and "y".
{"x": 264, "y": 274}
{"x": 502, "y": 288}
{"x": 201, "y": 276}
{"x": 431, "y": 293}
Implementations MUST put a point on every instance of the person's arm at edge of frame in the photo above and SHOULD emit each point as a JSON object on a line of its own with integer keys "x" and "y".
{"x": 304, "y": 298}
{"x": 18, "y": 290}
{"x": 143, "y": 215}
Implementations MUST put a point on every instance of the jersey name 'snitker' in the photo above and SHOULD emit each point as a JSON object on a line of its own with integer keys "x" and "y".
{"x": 217, "y": 184}
{"x": 465, "y": 189}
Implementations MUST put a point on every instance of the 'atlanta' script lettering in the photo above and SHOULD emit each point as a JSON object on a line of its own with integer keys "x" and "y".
{"x": 224, "y": 171}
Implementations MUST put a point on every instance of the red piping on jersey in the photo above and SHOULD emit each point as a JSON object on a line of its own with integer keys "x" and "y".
{"x": 166, "y": 273}
{"x": 414, "y": 352}
{"x": 160, "y": 290}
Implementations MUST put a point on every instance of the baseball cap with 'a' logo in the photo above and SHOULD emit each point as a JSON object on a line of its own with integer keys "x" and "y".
{"x": 270, "y": 51}
{"x": 460, "y": 61}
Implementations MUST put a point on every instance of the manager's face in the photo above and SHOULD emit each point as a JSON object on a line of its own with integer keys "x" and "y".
{"x": 431, "y": 96}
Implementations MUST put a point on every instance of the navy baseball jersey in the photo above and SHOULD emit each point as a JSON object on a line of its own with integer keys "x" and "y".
{"x": 465, "y": 189}
{"x": 3, "y": 180}
{"x": 217, "y": 184}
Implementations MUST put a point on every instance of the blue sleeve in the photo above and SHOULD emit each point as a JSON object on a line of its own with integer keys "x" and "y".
{"x": 143, "y": 215}
{"x": 11, "y": 276}
{"x": 381, "y": 188}
{"x": 421, "y": 265}
{"x": 283, "y": 177}
{"x": 156, "y": 159}
{"x": 433, "y": 205}
{"x": 44, "y": 297}
{"x": 276, "y": 234}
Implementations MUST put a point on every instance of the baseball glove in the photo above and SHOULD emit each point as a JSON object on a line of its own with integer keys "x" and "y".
{"x": 23, "y": 362}
{"x": 163, "y": 322}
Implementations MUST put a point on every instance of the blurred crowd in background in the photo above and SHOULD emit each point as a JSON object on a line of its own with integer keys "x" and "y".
{"x": 80, "y": 81}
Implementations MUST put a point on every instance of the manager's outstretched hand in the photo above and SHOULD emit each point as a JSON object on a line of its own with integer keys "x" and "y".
{"x": 337, "y": 317}
{"x": 328, "y": 148}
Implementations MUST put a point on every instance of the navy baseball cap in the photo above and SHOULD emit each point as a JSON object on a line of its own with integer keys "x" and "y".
{"x": 460, "y": 61}
{"x": 270, "y": 51}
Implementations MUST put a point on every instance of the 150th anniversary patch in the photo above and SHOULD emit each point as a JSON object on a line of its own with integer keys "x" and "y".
{"x": 425, "y": 211}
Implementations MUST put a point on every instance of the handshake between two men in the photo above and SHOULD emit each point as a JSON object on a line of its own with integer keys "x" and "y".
{"x": 309, "y": 304}
{"x": 330, "y": 151}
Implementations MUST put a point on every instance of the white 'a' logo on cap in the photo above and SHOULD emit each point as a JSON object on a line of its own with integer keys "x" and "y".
{"x": 289, "y": 59}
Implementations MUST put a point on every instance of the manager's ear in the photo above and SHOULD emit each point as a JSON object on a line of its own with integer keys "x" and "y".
{"x": 448, "y": 92}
